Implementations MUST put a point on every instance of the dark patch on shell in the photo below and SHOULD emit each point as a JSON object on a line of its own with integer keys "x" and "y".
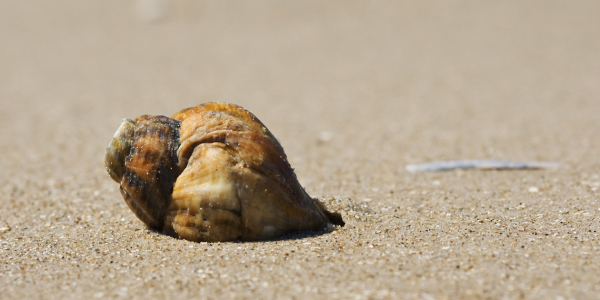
{"x": 151, "y": 168}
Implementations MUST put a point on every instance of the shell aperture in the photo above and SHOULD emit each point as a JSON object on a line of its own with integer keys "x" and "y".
{"x": 213, "y": 172}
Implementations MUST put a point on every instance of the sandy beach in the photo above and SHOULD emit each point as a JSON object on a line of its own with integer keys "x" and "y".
{"x": 354, "y": 91}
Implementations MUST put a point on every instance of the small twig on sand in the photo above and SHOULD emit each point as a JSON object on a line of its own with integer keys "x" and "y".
{"x": 480, "y": 164}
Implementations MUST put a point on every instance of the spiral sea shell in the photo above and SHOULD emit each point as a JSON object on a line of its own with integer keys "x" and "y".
{"x": 213, "y": 172}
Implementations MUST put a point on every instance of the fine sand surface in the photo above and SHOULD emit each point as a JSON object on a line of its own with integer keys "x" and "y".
{"x": 354, "y": 91}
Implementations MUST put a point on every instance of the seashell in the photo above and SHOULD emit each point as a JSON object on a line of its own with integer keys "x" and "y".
{"x": 212, "y": 172}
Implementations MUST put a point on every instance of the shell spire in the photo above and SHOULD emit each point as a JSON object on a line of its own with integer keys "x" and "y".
{"x": 142, "y": 157}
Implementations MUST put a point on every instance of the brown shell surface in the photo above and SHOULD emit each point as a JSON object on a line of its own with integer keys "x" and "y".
{"x": 214, "y": 172}
{"x": 151, "y": 168}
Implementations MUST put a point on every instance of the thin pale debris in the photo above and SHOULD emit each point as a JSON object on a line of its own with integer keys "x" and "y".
{"x": 484, "y": 164}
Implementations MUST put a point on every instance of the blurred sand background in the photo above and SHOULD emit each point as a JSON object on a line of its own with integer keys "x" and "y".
{"x": 354, "y": 90}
